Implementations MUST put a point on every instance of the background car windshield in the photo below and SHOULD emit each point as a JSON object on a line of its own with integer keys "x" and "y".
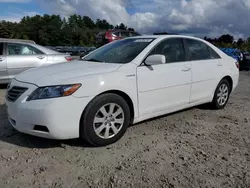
{"x": 122, "y": 51}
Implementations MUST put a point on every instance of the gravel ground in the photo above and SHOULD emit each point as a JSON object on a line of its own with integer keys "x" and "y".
{"x": 193, "y": 148}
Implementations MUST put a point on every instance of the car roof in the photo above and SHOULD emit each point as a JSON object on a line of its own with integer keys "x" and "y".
{"x": 118, "y": 30}
{"x": 16, "y": 40}
{"x": 167, "y": 36}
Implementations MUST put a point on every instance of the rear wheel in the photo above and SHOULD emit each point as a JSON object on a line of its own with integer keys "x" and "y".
{"x": 221, "y": 94}
{"x": 105, "y": 120}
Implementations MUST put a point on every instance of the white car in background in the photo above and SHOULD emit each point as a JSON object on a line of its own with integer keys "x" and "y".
{"x": 17, "y": 55}
{"x": 121, "y": 83}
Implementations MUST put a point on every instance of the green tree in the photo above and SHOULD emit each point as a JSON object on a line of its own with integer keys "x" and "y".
{"x": 88, "y": 22}
{"x": 226, "y": 39}
{"x": 4, "y": 31}
{"x": 54, "y": 30}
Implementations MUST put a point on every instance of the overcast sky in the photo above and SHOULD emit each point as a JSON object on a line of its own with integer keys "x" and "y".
{"x": 192, "y": 17}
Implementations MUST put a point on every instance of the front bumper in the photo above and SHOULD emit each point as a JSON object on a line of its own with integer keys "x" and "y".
{"x": 61, "y": 116}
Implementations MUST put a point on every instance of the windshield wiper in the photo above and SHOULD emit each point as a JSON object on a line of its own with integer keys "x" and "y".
{"x": 94, "y": 60}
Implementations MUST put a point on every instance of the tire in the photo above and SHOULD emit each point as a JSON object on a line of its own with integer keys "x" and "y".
{"x": 89, "y": 128}
{"x": 217, "y": 103}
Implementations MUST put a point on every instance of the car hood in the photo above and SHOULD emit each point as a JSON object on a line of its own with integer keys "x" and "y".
{"x": 63, "y": 73}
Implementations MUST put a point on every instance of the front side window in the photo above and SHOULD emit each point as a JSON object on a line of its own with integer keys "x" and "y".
{"x": 22, "y": 49}
{"x": 120, "y": 51}
{"x": 197, "y": 50}
{"x": 1, "y": 48}
{"x": 172, "y": 49}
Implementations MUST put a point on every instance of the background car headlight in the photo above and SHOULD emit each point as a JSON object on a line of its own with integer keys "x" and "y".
{"x": 53, "y": 91}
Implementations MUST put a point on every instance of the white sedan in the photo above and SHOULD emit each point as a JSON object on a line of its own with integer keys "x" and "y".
{"x": 121, "y": 83}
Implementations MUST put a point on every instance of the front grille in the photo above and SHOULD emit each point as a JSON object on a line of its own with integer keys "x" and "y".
{"x": 15, "y": 92}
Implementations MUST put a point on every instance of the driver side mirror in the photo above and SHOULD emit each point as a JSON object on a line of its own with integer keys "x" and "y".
{"x": 155, "y": 60}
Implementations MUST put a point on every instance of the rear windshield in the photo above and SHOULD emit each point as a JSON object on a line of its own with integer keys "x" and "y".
{"x": 121, "y": 51}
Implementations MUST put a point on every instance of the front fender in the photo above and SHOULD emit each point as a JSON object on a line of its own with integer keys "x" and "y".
{"x": 124, "y": 81}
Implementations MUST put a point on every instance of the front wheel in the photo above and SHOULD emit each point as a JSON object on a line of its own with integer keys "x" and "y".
{"x": 105, "y": 120}
{"x": 221, "y": 94}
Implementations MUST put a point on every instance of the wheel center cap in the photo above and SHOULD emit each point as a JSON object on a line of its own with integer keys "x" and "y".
{"x": 109, "y": 120}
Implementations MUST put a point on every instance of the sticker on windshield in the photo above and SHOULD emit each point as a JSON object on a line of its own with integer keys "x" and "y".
{"x": 143, "y": 40}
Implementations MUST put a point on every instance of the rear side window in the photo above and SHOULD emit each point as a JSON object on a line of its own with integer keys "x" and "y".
{"x": 198, "y": 50}
{"x": 213, "y": 54}
{"x": 22, "y": 49}
{"x": 172, "y": 49}
{"x": 1, "y": 48}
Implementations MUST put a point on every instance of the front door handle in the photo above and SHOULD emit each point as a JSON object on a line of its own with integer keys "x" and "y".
{"x": 219, "y": 64}
{"x": 40, "y": 57}
{"x": 186, "y": 69}
{"x": 1, "y": 59}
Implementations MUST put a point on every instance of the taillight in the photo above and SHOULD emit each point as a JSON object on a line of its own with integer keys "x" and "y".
{"x": 69, "y": 58}
{"x": 237, "y": 64}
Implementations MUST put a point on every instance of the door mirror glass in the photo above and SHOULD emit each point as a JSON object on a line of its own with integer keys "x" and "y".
{"x": 155, "y": 60}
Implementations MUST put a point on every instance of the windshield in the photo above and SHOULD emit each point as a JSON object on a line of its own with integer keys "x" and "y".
{"x": 120, "y": 51}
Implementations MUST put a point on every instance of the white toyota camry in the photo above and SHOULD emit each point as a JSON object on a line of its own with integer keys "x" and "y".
{"x": 121, "y": 83}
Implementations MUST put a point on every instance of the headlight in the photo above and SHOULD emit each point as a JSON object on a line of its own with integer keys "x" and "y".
{"x": 53, "y": 91}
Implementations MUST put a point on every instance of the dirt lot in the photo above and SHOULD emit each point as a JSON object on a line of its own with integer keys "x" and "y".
{"x": 193, "y": 148}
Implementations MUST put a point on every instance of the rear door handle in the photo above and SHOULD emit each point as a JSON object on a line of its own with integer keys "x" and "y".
{"x": 1, "y": 59}
{"x": 219, "y": 64}
{"x": 186, "y": 69}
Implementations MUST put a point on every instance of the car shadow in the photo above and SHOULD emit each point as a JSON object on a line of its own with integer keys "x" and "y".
{"x": 9, "y": 135}
{"x": 206, "y": 106}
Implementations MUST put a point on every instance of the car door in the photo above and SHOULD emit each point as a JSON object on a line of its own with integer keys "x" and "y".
{"x": 165, "y": 86}
{"x": 21, "y": 57}
{"x": 207, "y": 69}
{"x": 3, "y": 64}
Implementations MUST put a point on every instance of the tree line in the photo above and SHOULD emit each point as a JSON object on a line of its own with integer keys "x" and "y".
{"x": 228, "y": 41}
{"x": 52, "y": 30}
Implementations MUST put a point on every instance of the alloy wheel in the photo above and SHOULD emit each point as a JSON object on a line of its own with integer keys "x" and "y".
{"x": 108, "y": 120}
{"x": 222, "y": 94}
